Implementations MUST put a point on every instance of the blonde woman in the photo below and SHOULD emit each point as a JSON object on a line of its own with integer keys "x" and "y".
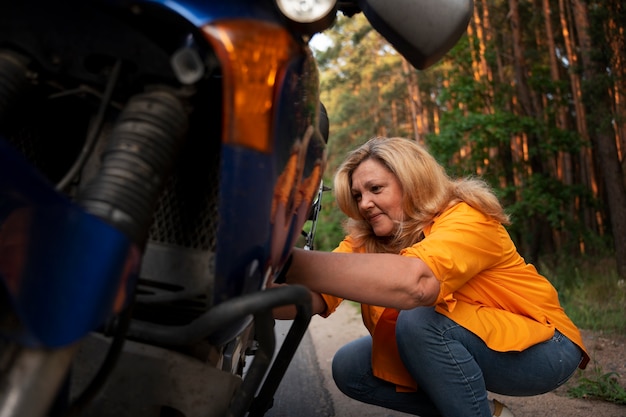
{"x": 452, "y": 309}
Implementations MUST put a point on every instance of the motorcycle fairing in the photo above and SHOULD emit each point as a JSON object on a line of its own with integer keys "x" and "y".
{"x": 65, "y": 270}
{"x": 200, "y": 13}
{"x": 270, "y": 146}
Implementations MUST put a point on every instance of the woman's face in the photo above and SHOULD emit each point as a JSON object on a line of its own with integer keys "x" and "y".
{"x": 378, "y": 194}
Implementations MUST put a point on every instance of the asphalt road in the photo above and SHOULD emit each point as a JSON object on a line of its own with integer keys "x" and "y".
{"x": 302, "y": 392}
{"x": 308, "y": 389}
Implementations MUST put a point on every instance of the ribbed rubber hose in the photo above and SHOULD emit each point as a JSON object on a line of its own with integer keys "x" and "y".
{"x": 142, "y": 150}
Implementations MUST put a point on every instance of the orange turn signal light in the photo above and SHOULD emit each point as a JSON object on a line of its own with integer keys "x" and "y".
{"x": 253, "y": 55}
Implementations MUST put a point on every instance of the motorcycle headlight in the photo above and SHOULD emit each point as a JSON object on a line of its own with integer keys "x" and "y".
{"x": 308, "y": 16}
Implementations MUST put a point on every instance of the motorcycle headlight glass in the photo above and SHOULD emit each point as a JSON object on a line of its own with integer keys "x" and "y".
{"x": 308, "y": 16}
{"x": 305, "y": 11}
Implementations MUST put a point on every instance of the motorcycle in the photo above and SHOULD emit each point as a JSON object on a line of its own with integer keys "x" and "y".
{"x": 158, "y": 161}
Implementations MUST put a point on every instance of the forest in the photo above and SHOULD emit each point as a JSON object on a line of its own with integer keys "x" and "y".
{"x": 532, "y": 99}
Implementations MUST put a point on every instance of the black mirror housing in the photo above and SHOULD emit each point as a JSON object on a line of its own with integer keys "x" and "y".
{"x": 423, "y": 31}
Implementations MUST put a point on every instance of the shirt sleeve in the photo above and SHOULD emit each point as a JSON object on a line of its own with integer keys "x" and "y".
{"x": 461, "y": 243}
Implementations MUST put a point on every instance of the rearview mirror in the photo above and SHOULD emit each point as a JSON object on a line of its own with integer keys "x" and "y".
{"x": 421, "y": 30}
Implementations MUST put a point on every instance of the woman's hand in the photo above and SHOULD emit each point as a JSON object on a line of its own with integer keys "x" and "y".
{"x": 289, "y": 312}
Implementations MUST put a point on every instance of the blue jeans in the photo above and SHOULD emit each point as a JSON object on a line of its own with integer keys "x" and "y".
{"x": 453, "y": 368}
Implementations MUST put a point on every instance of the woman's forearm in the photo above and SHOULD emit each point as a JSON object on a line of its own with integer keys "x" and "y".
{"x": 379, "y": 279}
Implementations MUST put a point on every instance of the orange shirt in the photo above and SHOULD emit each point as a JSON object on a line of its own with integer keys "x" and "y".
{"x": 486, "y": 287}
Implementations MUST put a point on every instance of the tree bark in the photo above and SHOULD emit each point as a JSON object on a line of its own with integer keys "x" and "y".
{"x": 603, "y": 138}
{"x": 414, "y": 99}
{"x": 564, "y": 162}
{"x": 593, "y": 219}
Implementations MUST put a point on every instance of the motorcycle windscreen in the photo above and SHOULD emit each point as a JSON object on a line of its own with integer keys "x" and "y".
{"x": 423, "y": 31}
{"x": 63, "y": 270}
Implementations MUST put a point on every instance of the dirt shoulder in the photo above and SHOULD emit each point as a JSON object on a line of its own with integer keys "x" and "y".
{"x": 608, "y": 354}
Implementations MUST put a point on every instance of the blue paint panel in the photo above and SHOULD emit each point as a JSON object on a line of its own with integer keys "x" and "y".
{"x": 201, "y": 12}
{"x": 62, "y": 267}
{"x": 247, "y": 233}
{"x": 246, "y": 192}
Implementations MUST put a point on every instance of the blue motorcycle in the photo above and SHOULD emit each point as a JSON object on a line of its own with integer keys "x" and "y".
{"x": 158, "y": 160}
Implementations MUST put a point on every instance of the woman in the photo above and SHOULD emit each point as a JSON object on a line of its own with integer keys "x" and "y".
{"x": 452, "y": 308}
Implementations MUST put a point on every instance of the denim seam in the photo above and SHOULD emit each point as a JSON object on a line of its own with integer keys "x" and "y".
{"x": 445, "y": 340}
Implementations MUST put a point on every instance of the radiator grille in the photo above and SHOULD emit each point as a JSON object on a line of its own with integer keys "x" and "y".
{"x": 187, "y": 211}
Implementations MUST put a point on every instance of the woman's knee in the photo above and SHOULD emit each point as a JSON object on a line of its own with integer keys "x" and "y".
{"x": 351, "y": 362}
{"x": 339, "y": 369}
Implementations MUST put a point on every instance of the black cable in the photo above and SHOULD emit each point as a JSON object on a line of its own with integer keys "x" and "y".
{"x": 94, "y": 131}
{"x": 113, "y": 354}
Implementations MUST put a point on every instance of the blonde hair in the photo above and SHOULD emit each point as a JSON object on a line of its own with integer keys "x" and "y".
{"x": 427, "y": 191}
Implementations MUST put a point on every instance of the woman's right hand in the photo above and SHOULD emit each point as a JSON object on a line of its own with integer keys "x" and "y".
{"x": 288, "y": 312}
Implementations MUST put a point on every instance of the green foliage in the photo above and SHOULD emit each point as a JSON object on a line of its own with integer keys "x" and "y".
{"x": 590, "y": 290}
{"x": 548, "y": 198}
{"x": 479, "y": 123}
{"x": 602, "y": 386}
{"x": 329, "y": 229}
{"x": 478, "y": 131}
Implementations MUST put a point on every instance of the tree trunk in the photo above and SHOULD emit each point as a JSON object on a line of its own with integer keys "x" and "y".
{"x": 603, "y": 137}
{"x": 615, "y": 34}
{"x": 413, "y": 94}
{"x": 593, "y": 219}
{"x": 528, "y": 107}
{"x": 564, "y": 163}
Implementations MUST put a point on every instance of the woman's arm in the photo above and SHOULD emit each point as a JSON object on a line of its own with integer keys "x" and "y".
{"x": 380, "y": 279}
